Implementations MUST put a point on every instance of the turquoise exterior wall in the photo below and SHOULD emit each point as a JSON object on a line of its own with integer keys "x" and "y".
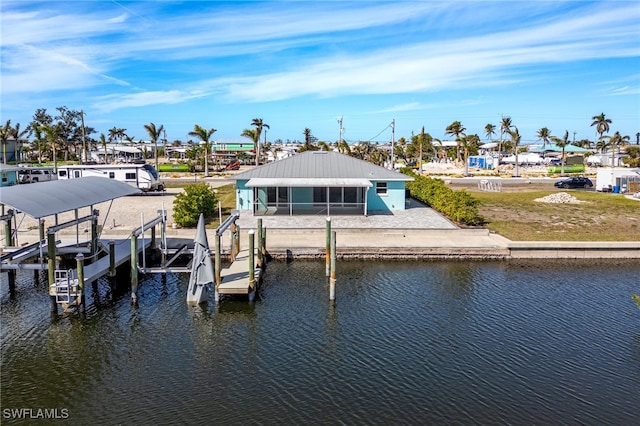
{"x": 243, "y": 195}
{"x": 9, "y": 178}
{"x": 393, "y": 200}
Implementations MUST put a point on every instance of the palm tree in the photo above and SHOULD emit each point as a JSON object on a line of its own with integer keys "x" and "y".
{"x": 616, "y": 140}
{"x": 505, "y": 128}
{"x": 601, "y": 123}
{"x": 259, "y": 125}
{"x": 103, "y": 142}
{"x": 456, "y": 129}
{"x": 19, "y": 137}
{"x": 489, "y": 130}
{"x": 204, "y": 135}
{"x": 515, "y": 140}
{"x": 253, "y": 135}
{"x": 562, "y": 143}
{"x": 5, "y": 133}
{"x": 544, "y": 134}
{"x": 309, "y": 140}
{"x": 154, "y": 134}
{"x": 52, "y": 134}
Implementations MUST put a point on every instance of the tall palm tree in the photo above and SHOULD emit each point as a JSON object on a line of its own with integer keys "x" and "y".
{"x": 103, "y": 142}
{"x": 19, "y": 137}
{"x": 489, "y": 130}
{"x": 544, "y": 134}
{"x": 515, "y": 141}
{"x": 309, "y": 141}
{"x": 562, "y": 143}
{"x": 204, "y": 135}
{"x": 456, "y": 129}
{"x": 259, "y": 124}
{"x": 505, "y": 128}
{"x": 253, "y": 135}
{"x": 154, "y": 134}
{"x": 601, "y": 123}
{"x": 5, "y": 133}
{"x": 52, "y": 134}
{"x": 616, "y": 140}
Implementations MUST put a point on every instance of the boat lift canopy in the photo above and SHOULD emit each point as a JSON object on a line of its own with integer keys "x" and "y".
{"x": 43, "y": 199}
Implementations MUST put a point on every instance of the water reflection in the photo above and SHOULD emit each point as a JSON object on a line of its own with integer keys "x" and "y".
{"x": 404, "y": 342}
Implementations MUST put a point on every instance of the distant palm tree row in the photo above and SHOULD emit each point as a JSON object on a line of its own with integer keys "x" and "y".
{"x": 64, "y": 135}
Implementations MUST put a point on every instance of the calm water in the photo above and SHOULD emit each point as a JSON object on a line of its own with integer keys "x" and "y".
{"x": 405, "y": 343}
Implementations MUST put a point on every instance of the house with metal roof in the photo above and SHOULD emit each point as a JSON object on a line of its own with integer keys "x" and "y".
{"x": 320, "y": 182}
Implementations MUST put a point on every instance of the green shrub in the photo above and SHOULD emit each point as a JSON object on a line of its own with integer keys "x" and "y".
{"x": 195, "y": 199}
{"x": 459, "y": 206}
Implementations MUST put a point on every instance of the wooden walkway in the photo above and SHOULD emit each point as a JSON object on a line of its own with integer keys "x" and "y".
{"x": 100, "y": 267}
{"x": 235, "y": 278}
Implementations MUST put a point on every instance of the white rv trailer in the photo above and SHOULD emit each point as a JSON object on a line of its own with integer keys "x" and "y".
{"x": 142, "y": 176}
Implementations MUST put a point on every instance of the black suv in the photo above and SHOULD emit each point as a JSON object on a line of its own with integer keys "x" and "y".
{"x": 574, "y": 182}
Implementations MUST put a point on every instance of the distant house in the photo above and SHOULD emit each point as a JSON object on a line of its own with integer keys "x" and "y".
{"x": 8, "y": 175}
{"x": 320, "y": 182}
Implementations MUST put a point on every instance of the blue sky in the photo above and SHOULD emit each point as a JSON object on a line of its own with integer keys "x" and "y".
{"x": 299, "y": 64}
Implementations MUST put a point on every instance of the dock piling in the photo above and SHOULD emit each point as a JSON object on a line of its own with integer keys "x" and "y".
{"x": 328, "y": 247}
{"x": 80, "y": 301}
{"x": 217, "y": 265}
{"x": 112, "y": 258}
{"x": 259, "y": 243}
{"x": 332, "y": 279}
{"x": 134, "y": 269}
{"x": 232, "y": 250}
{"x": 41, "y": 235}
{"x": 94, "y": 232}
{"x": 252, "y": 279}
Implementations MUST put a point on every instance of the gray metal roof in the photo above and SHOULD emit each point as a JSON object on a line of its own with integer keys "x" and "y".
{"x": 48, "y": 198}
{"x": 9, "y": 168}
{"x": 322, "y": 165}
{"x": 304, "y": 182}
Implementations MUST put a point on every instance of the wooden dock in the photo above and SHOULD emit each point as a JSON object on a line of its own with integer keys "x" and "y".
{"x": 100, "y": 267}
{"x": 235, "y": 278}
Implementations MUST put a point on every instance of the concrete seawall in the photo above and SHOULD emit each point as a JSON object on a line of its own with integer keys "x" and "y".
{"x": 472, "y": 244}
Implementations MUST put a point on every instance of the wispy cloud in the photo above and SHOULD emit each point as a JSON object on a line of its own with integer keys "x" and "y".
{"x": 142, "y": 99}
{"x": 138, "y": 54}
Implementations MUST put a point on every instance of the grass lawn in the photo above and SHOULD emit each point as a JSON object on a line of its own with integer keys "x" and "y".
{"x": 516, "y": 215}
{"x": 597, "y": 217}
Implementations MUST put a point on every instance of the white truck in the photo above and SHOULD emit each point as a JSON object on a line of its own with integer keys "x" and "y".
{"x": 142, "y": 176}
{"x": 615, "y": 179}
{"x": 28, "y": 174}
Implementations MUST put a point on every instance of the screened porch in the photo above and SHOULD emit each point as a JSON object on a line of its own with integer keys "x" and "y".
{"x": 329, "y": 199}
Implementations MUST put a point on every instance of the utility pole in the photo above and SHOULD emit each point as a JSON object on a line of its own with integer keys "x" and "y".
{"x": 420, "y": 157}
{"x": 84, "y": 141}
{"x": 393, "y": 136}
{"x": 164, "y": 143}
{"x": 340, "y": 122}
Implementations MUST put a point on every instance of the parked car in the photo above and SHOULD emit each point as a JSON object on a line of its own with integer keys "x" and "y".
{"x": 574, "y": 182}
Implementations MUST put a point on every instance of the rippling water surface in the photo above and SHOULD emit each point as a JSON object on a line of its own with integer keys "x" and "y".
{"x": 404, "y": 343}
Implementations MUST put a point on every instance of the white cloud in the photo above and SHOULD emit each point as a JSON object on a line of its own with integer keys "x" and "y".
{"x": 118, "y": 101}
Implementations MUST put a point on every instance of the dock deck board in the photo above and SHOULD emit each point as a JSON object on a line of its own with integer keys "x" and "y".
{"x": 235, "y": 278}
{"x": 100, "y": 267}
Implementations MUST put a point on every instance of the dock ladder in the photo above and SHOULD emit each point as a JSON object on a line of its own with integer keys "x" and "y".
{"x": 65, "y": 288}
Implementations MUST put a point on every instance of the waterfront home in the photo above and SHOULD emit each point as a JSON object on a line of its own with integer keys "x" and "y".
{"x": 320, "y": 182}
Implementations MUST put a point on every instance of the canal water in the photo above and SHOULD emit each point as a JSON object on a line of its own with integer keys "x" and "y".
{"x": 405, "y": 343}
